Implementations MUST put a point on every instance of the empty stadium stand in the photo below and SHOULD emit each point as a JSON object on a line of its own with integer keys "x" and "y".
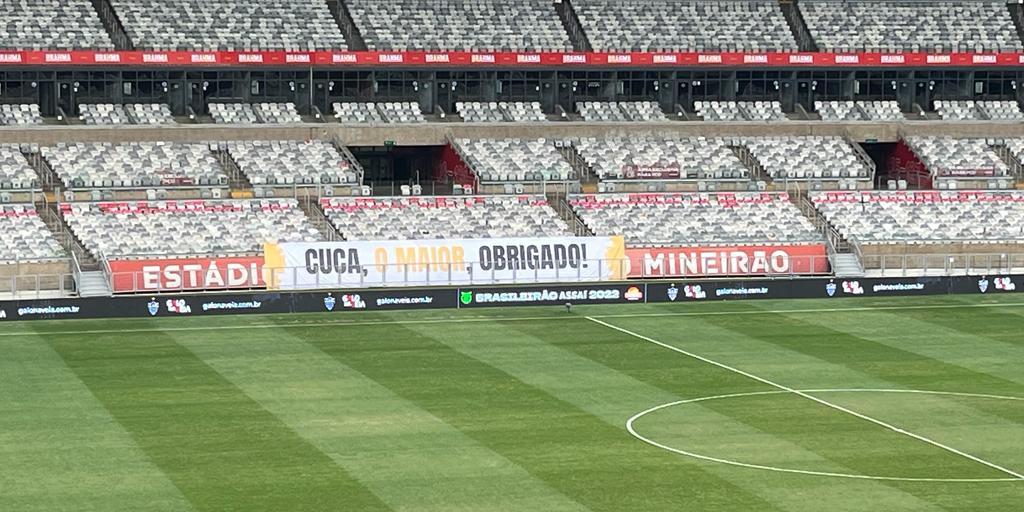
{"x": 515, "y": 160}
{"x": 20, "y": 114}
{"x": 103, "y": 113}
{"x": 427, "y": 217}
{"x": 288, "y": 163}
{"x": 667, "y": 25}
{"x": 810, "y": 158}
{"x": 170, "y": 228}
{"x": 257, "y": 113}
{"x": 628, "y": 111}
{"x": 137, "y": 164}
{"x": 925, "y": 217}
{"x": 899, "y": 25}
{"x": 52, "y": 25}
{"x": 487, "y": 25}
{"x": 149, "y": 113}
{"x": 15, "y": 171}
{"x": 723, "y": 218}
{"x": 690, "y": 158}
{"x": 740, "y": 111}
{"x": 230, "y": 25}
{"x": 357, "y": 113}
{"x": 961, "y": 158}
{"x": 24, "y": 237}
{"x": 401, "y": 112}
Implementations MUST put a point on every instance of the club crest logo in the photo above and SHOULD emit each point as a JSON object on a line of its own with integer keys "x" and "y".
{"x": 466, "y": 298}
{"x": 673, "y": 292}
{"x": 330, "y": 302}
{"x": 831, "y": 289}
{"x": 695, "y": 292}
{"x": 983, "y": 284}
{"x": 153, "y": 307}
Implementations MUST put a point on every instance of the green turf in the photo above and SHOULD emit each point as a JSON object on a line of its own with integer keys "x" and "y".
{"x": 519, "y": 409}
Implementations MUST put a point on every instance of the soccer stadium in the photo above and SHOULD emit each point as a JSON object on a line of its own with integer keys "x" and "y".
{"x": 539, "y": 255}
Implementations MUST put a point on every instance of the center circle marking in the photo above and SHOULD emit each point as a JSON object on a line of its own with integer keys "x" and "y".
{"x": 632, "y": 430}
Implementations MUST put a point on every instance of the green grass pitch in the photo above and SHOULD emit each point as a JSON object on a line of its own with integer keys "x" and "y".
{"x": 523, "y": 409}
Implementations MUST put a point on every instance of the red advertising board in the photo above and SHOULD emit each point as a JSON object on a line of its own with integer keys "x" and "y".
{"x": 446, "y": 59}
{"x": 746, "y": 260}
{"x": 651, "y": 172}
{"x": 136, "y": 276}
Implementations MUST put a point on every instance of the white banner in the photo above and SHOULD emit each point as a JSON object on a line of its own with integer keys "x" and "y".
{"x": 303, "y": 266}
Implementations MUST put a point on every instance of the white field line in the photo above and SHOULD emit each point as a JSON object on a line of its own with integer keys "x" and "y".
{"x": 632, "y": 430}
{"x": 811, "y": 398}
{"x": 484, "y": 319}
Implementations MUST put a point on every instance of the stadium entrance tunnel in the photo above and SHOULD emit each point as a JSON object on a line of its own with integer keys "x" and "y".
{"x": 783, "y": 432}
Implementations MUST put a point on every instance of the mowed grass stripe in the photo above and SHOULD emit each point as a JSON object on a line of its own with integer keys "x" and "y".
{"x": 537, "y": 354}
{"x": 781, "y": 351}
{"x": 580, "y": 455}
{"x": 61, "y": 450}
{"x": 220, "y": 448}
{"x": 409, "y": 458}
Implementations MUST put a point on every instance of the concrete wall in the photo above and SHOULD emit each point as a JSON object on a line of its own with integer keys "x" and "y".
{"x": 435, "y": 133}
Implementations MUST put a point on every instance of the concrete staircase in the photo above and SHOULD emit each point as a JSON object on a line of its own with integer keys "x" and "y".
{"x": 571, "y": 23}
{"x": 93, "y": 284}
{"x": 846, "y": 265}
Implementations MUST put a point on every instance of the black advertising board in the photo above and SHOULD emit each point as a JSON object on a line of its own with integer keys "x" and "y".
{"x": 500, "y": 296}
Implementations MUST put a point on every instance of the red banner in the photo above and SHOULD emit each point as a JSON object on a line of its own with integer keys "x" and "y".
{"x": 501, "y": 59}
{"x": 747, "y": 260}
{"x": 187, "y": 274}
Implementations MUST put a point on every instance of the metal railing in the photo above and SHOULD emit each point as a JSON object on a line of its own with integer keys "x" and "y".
{"x": 944, "y": 264}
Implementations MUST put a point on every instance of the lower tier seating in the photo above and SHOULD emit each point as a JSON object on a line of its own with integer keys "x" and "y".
{"x": 24, "y": 237}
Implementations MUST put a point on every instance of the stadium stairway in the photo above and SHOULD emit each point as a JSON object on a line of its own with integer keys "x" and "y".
{"x": 93, "y": 284}
{"x": 111, "y": 22}
{"x": 846, "y": 265}
{"x": 571, "y": 23}
{"x": 349, "y": 29}
{"x": 315, "y": 213}
{"x": 795, "y": 19}
{"x": 1017, "y": 14}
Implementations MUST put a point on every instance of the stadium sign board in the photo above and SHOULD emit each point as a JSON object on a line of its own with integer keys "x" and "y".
{"x": 306, "y": 266}
{"x": 737, "y": 260}
{"x": 187, "y": 274}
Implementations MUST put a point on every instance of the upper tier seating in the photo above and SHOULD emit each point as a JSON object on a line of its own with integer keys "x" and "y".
{"x": 887, "y": 110}
{"x": 52, "y": 25}
{"x": 266, "y": 113}
{"x": 150, "y": 113}
{"x": 459, "y": 25}
{"x": 24, "y": 237}
{"x": 233, "y": 113}
{"x": 839, "y": 111}
{"x": 947, "y": 157}
{"x": 637, "y": 111}
{"x": 412, "y": 218}
{"x": 957, "y": 110}
{"x": 135, "y": 164}
{"x": 480, "y": 112}
{"x": 695, "y": 158}
{"x": 357, "y": 113}
{"x": 515, "y": 160}
{"x": 1001, "y": 110}
{"x": 675, "y": 218}
{"x": 295, "y": 25}
{"x": 169, "y": 228}
{"x": 292, "y": 163}
{"x": 524, "y": 112}
{"x": 103, "y": 113}
{"x": 403, "y": 112}
{"x": 925, "y": 216}
{"x": 807, "y": 158}
{"x": 15, "y": 171}
{"x": 740, "y": 111}
{"x": 21, "y": 114}
{"x": 277, "y": 113}
{"x": 899, "y": 25}
{"x": 667, "y": 25}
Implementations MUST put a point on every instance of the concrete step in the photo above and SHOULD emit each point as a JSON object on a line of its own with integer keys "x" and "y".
{"x": 93, "y": 284}
{"x": 846, "y": 265}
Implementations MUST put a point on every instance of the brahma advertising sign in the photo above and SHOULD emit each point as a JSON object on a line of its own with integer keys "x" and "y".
{"x": 297, "y": 266}
{"x": 745, "y": 260}
{"x": 187, "y": 274}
